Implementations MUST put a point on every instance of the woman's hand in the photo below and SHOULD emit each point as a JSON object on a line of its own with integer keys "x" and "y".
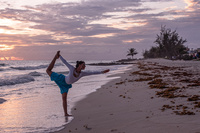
{"x": 105, "y": 71}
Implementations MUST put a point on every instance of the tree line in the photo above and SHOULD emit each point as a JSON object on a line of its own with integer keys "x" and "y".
{"x": 169, "y": 45}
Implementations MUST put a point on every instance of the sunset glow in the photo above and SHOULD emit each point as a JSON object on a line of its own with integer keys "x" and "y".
{"x": 46, "y": 25}
{"x": 11, "y": 58}
{"x": 103, "y": 35}
{"x": 132, "y": 41}
{"x": 5, "y": 47}
{"x": 191, "y": 4}
{"x": 127, "y": 25}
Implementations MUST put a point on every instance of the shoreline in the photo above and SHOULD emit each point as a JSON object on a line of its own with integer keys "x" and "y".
{"x": 79, "y": 105}
{"x": 129, "y": 104}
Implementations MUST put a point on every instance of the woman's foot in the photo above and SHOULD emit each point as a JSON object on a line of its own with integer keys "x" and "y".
{"x": 67, "y": 115}
{"x": 57, "y": 54}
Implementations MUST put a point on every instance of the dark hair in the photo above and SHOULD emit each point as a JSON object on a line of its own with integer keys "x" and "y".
{"x": 79, "y": 63}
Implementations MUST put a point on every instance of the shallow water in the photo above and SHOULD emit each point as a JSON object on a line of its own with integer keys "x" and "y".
{"x": 30, "y": 102}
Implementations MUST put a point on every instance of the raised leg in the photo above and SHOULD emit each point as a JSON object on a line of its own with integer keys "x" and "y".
{"x": 51, "y": 65}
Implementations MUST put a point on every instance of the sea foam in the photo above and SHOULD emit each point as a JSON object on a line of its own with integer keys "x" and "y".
{"x": 16, "y": 80}
{"x": 34, "y": 67}
{"x": 35, "y": 74}
{"x": 30, "y": 67}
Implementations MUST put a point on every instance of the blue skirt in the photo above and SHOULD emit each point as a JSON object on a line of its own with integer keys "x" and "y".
{"x": 59, "y": 79}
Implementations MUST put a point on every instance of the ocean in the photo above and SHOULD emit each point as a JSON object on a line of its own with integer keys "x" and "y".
{"x": 31, "y": 103}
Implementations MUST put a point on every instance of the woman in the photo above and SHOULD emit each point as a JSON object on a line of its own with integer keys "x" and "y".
{"x": 65, "y": 82}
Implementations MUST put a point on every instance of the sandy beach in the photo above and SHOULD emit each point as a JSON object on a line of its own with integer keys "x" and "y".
{"x": 153, "y": 96}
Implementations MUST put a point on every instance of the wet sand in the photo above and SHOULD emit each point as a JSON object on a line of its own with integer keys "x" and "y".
{"x": 155, "y": 95}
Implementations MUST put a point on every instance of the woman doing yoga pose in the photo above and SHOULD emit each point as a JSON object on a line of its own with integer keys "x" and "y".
{"x": 65, "y": 82}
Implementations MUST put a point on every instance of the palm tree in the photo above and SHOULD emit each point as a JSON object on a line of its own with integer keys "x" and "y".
{"x": 131, "y": 52}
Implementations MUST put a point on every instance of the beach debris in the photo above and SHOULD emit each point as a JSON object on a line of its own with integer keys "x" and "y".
{"x": 178, "y": 73}
{"x": 131, "y": 80}
{"x": 156, "y": 81}
{"x": 168, "y": 93}
{"x": 122, "y": 82}
{"x": 197, "y": 105}
{"x": 144, "y": 79}
{"x": 113, "y": 130}
{"x": 164, "y": 107}
{"x": 173, "y": 82}
{"x": 172, "y": 102}
{"x": 158, "y": 86}
{"x": 185, "y": 80}
{"x": 195, "y": 83}
{"x": 192, "y": 82}
{"x": 86, "y": 127}
{"x": 123, "y": 96}
{"x": 184, "y": 112}
{"x": 194, "y": 98}
{"x": 157, "y": 76}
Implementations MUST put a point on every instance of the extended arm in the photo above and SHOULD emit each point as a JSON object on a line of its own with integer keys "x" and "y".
{"x": 65, "y": 62}
{"x": 94, "y": 73}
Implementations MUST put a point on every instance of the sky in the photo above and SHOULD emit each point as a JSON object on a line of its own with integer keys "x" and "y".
{"x": 92, "y": 29}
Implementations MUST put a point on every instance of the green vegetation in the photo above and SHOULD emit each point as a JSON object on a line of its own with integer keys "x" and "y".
{"x": 131, "y": 52}
{"x": 169, "y": 45}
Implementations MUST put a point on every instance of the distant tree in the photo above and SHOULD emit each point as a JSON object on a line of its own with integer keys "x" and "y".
{"x": 131, "y": 52}
{"x": 169, "y": 44}
{"x": 152, "y": 53}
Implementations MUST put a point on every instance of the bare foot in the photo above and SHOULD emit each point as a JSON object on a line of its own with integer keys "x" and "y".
{"x": 57, "y": 54}
{"x": 67, "y": 115}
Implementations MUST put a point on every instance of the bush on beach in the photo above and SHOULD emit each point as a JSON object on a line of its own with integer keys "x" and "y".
{"x": 169, "y": 45}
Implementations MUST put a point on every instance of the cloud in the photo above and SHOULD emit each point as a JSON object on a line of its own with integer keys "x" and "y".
{"x": 6, "y": 28}
{"x": 127, "y": 23}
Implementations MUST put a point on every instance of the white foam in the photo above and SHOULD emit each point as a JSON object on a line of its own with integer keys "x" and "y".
{"x": 30, "y": 67}
{"x": 34, "y": 67}
{"x": 35, "y": 74}
{"x": 16, "y": 80}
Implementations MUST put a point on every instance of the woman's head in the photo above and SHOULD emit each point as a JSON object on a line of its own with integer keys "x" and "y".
{"x": 80, "y": 64}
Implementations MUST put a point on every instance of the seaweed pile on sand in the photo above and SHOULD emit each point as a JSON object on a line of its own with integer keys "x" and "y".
{"x": 175, "y": 83}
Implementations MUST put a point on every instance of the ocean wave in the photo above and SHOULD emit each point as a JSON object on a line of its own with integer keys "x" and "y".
{"x": 30, "y": 67}
{"x": 34, "y": 67}
{"x": 3, "y": 64}
{"x": 16, "y": 80}
{"x": 2, "y": 100}
{"x": 35, "y": 74}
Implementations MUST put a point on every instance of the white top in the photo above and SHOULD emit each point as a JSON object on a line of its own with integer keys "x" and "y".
{"x": 70, "y": 78}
